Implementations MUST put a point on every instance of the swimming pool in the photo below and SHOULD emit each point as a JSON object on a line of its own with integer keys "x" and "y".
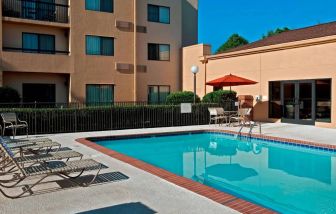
{"x": 285, "y": 178}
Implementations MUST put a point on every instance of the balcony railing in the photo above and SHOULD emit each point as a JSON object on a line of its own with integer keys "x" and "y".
{"x": 36, "y": 10}
{"x": 40, "y": 51}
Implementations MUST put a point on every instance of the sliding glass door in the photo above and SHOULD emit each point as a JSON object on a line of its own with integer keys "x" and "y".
{"x": 298, "y": 102}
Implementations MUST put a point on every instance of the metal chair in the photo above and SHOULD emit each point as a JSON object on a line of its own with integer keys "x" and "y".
{"x": 11, "y": 121}
{"x": 216, "y": 115}
{"x": 242, "y": 116}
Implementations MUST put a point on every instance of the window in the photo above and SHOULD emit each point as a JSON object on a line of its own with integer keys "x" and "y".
{"x": 275, "y": 110}
{"x": 34, "y": 92}
{"x": 40, "y": 10}
{"x": 38, "y": 43}
{"x": 323, "y": 100}
{"x": 158, "y": 14}
{"x": 98, "y": 94}
{"x": 159, "y": 52}
{"x": 97, "y": 45}
{"x": 157, "y": 94}
{"x": 99, "y": 5}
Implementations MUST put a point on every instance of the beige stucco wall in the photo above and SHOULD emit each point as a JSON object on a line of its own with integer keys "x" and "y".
{"x": 292, "y": 63}
{"x": 12, "y": 35}
{"x": 159, "y": 72}
{"x": 101, "y": 69}
{"x": 189, "y": 22}
{"x": 15, "y": 80}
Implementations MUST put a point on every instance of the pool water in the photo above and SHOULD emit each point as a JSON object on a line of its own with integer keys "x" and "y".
{"x": 285, "y": 178}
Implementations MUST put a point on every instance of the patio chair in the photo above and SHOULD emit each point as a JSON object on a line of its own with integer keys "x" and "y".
{"x": 11, "y": 121}
{"x": 217, "y": 115}
{"x": 242, "y": 116}
{"x": 43, "y": 170}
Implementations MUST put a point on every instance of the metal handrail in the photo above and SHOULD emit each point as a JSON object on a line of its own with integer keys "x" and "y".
{"x": 29, "y": 50}
{"x": 36, "y": 10}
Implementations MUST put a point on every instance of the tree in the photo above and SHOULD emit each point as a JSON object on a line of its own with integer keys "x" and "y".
{"x": 235, "y": 40}
{"x": 275, "y": 32}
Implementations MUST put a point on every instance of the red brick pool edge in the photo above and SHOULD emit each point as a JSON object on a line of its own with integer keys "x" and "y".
{"x": 223, "y": 198}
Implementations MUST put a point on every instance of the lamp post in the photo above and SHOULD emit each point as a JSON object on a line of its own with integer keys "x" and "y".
{"x": 194, "y": 69}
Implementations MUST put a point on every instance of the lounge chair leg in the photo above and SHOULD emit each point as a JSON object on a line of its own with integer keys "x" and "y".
{"x": 73, "y": 177}
{"x": 12, "y": 185}
{"x": 26, "y": 189}
{"x": 94, "y": 178}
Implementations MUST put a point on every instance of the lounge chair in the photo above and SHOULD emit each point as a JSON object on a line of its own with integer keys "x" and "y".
{"x": 31, "y": 146}
{"x": 11, "y": 121}
{"x": 8, "y": 167}
{"x": 44, "y": 169}
{"x": 26, "y": 140}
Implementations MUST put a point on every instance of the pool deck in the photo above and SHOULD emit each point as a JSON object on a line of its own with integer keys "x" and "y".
{"x": 132, "y": 190}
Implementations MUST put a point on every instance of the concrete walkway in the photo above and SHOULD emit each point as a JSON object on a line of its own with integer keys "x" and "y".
{"x": 132, "y": 190}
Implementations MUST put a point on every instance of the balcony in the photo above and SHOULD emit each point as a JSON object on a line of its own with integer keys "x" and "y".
{"x": 32, "y": 61}
{"x": 35, "y": 10}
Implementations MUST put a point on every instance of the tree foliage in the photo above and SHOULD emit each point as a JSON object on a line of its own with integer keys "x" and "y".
{"x": 235, "y": 40}
{"x": 9, "y": 95}
{"x": 275, "y": 32}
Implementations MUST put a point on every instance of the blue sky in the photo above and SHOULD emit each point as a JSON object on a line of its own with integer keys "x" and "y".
{"x": 218, "y": 19}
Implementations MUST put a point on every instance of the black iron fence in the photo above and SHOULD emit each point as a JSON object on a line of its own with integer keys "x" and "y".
{"x": 36, "y": 10}
{"x": 44, "y": 118}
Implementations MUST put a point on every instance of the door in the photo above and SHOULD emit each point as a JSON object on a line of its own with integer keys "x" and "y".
{"x": 41, "y": 93}
{"x": 298, "y": 102}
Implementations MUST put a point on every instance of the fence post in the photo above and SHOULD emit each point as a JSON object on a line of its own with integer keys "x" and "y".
{"x": 172, "y": 115}
{"x": 35, "y": 119}
{"x": 143, "y": 116}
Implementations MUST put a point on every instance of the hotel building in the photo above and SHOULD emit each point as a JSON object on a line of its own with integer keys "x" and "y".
{"x": 95, "y": 50}
{"x": 295, "y": 71}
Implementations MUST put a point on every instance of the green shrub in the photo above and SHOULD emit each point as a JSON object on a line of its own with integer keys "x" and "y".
{"x": 219, "y": 96}
{"x": 181, "y": 97}
{"x": 9, "y": 95}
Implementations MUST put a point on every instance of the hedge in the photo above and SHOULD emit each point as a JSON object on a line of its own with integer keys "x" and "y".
{"x": 181, "y": 97}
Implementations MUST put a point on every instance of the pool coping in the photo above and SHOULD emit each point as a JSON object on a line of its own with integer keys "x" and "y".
{"x": 233, "y": 202}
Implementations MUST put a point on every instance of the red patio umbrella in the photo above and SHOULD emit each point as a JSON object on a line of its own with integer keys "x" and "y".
{"x": 230, "y": 80}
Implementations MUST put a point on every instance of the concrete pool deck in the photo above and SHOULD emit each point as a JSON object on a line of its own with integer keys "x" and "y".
{"x": 132, "y": 190}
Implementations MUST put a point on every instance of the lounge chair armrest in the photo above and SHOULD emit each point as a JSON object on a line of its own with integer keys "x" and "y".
{"x": 22, "y": 121}
{"x": 10, "y": 123}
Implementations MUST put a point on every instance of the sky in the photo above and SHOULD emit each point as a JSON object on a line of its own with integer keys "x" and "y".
{"x": 218, "y": 19}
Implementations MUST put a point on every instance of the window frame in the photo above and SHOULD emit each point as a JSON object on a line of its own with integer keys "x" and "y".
{"x": 158, "y": 52}
{"x": 100, "y": 87}
{"x": 158, "y": 86}
{"x": 100, "y": 45}
{"x": 38, "y": 50}
{"x": 100, "y": 9}
{"x": 158, "y": 21}
{"x": 271, "y": 113}
{"x": 317, "y": 99}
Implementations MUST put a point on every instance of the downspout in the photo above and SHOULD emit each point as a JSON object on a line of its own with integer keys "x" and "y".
{"x": 135, "y": 50}
{"x": 205, "y": 62}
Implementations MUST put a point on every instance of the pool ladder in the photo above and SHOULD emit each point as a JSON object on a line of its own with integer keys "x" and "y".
{"x": 249, "y": 136}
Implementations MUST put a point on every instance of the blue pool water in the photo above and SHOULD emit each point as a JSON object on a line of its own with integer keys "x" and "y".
{"x": 285, "y": 178}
